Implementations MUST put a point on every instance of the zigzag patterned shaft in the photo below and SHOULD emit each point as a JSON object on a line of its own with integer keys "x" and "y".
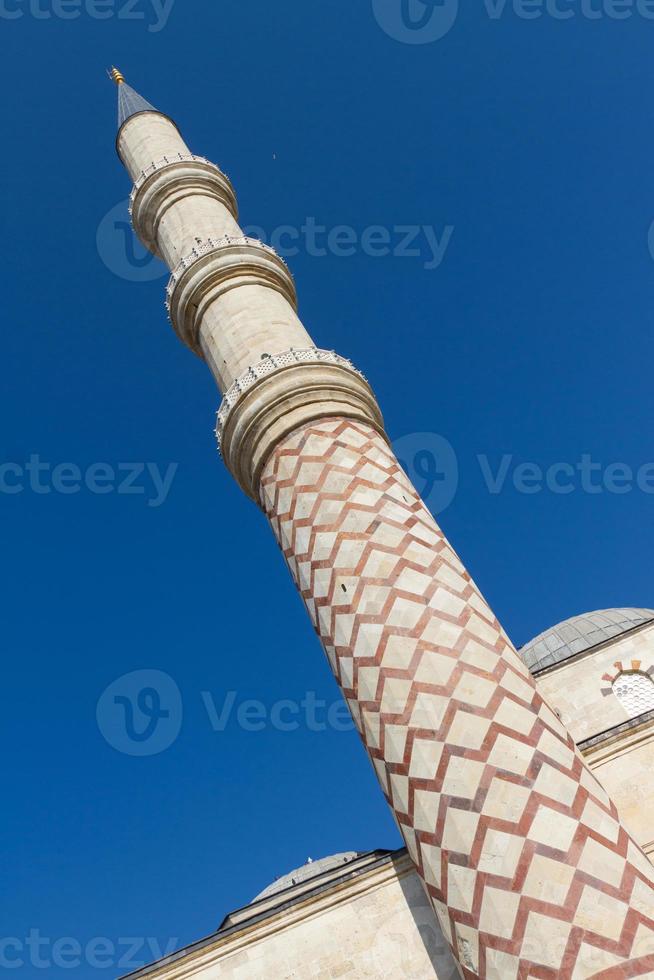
{"x": 529, "y": 869}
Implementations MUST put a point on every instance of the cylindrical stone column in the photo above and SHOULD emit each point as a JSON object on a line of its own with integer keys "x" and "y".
{"x": 523, "y": 855}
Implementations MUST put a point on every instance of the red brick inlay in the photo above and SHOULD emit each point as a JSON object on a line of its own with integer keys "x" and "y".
{"x": 529, "y": 870}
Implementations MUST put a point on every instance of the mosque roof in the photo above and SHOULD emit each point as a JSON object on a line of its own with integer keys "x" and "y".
{"x": 581, "y": 633}
{"x": 309, "y": 870}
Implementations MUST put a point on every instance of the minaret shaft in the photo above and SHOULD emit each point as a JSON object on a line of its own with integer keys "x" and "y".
{"x": 495, "y": 804}
{"x": 145, "y": 137}
{"x": 498, "y": 809}
{"x": 181, "y": 215}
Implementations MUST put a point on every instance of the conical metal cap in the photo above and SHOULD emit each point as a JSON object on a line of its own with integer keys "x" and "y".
{"x": 130, "y": 102}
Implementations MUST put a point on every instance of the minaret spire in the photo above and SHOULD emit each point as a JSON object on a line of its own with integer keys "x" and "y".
{"x": 524, "y": 857}
{"x": 130, "y": 103}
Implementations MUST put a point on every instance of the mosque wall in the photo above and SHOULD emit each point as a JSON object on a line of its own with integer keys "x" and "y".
{"x": 581, "y": 690}
{"x": 625, "y": 767}
{"x": 378, "y": 926}
{"x": 604, "y": 720}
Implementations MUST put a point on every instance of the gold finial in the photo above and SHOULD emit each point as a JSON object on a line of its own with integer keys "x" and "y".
{"x": 117, "y": 76}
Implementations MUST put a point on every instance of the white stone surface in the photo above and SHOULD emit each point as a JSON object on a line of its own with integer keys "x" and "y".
{"x": 243, "y": 323}
{"x": 378, "y": 925}
{"x": 584, "y": 692}
{"x": 576, "y": 689}
{"x": 191, "y": 218}
{"x": 146, "y": 137}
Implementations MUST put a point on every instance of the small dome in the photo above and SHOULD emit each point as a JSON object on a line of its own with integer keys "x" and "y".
{"x": 309, "y": 870}
{"x": 581, "y": 633}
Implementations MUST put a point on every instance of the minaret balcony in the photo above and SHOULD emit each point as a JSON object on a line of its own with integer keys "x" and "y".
{"x": 215, "y": 266}
{"x": 281, "y": 393}
{"x": 165, "y": 182}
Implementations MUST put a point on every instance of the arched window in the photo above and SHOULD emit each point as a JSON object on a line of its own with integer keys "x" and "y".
{"x": 635, "y": 692}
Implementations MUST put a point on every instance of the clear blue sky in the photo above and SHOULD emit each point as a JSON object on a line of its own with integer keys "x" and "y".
{"x": 533, "y": 139}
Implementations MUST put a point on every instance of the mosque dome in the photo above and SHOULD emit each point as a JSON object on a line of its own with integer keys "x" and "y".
{"x": 581, "y": 633}
{"x": 309, "y": 870}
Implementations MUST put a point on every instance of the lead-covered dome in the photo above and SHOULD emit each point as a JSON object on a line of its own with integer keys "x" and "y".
{"x": 581, "y": 633}
{"x": 309, "y": 870}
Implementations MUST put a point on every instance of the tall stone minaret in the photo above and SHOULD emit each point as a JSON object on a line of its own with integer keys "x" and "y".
{"x": 529, "y": 869}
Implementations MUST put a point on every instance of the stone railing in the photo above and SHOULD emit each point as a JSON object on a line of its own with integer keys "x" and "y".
{"x": 204, "y": 248}
{"x": 268, "y": 364}
{"x": 161, "y": 164}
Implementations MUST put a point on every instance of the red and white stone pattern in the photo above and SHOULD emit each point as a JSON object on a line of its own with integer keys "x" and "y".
{"x": 529, "y": 869}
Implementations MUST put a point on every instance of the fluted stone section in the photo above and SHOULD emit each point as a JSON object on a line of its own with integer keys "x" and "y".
{"x": 522, "y": 853}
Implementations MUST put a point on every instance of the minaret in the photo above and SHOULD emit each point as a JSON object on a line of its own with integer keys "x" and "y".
{"x": 524, "y": 857}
